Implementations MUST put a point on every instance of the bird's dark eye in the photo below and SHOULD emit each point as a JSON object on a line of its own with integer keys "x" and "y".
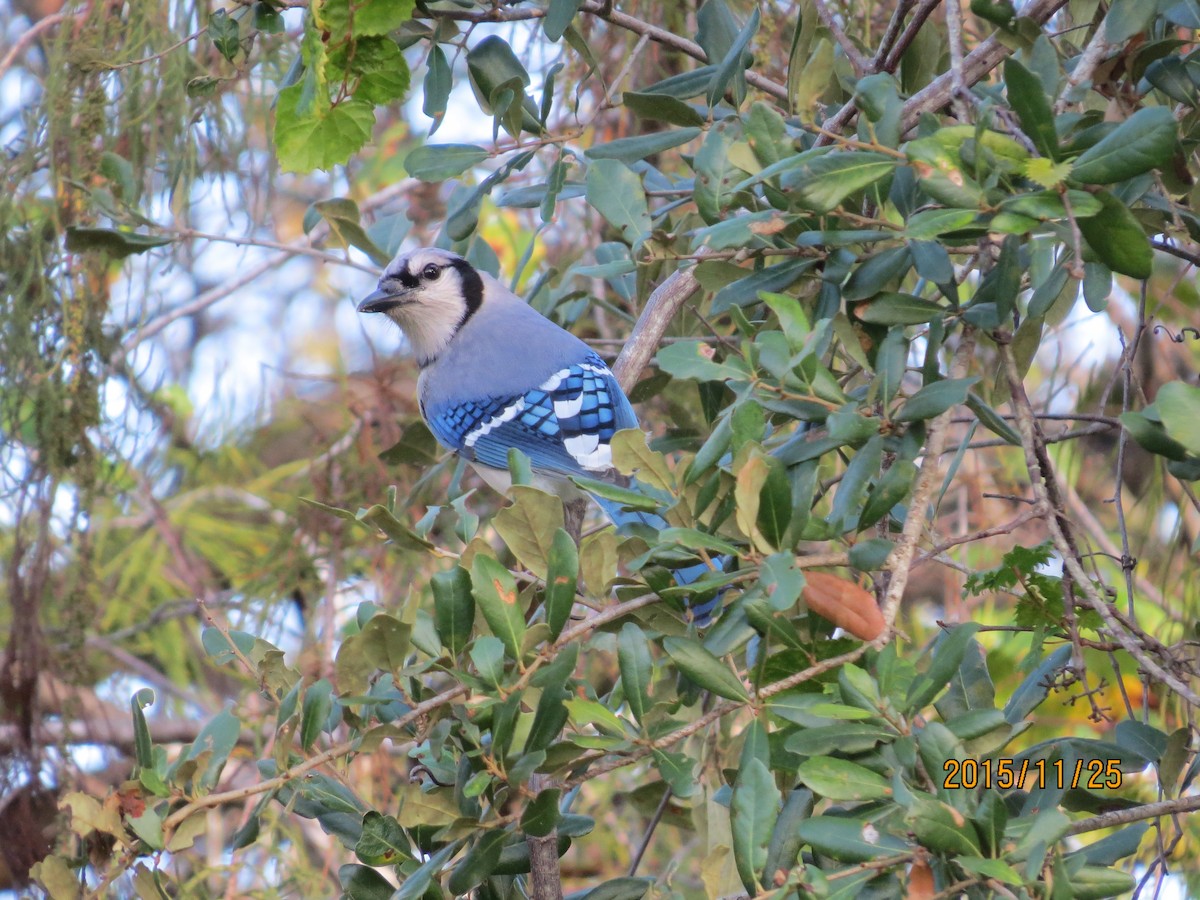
{"x": 431, "y": 271}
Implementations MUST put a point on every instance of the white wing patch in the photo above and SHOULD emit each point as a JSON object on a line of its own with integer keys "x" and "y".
{"x": 587, "y": 450}
{"x": 566, "y": 409}
{"x": 495, "y": 422}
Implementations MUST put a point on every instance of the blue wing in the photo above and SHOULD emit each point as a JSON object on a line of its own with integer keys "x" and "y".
{"x": 564, "y": 425}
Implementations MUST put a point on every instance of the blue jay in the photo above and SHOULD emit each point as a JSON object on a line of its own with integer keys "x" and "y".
{"x": 496, "y": 374}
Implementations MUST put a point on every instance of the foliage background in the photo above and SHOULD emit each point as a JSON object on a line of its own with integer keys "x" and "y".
{"x": 955, "y": 336}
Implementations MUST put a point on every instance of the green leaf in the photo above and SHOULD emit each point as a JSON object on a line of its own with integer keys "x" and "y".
{"x": 400, "y": 534}
{"x": 342, "y": 216}
{"x": 899, "y": 309}
{"x": 496, "y": 593}
{"x": 823, "y": 183}
{"x": 562, "y": 577}
{"x": 541, "y": 815}
{"x": 1117, "y": 238}
{"x": 363, "y": 883}
{"x": 844, "y": 737}
{"x": 439, "y": 80}
{"x": 218, "y": 738}
{"x": 117, "y": 244}
{"x": 223, "y": 32}
{"x": 558, "y": 16}
{"x": 453, "y": 609}
{"x": 386, "y": 642}
{"x": 478, "y": 863}
{"x": 382, "y": 842}
{"x": 633, "y": 655}
{"x": 142, "y": 747}
{"x": 714, "y": 173}
{"x": 754, "y": 808}
{"x": 487, "y": 654}
{"x": 1152, "y": 436}
{"x": 1126, "y": 18}
{"x": 840, "y": 779}
{"x": 948, "y": 652}
{"x": 848, "y": 840}
{"x": 1033, "y": 690}
{"x": 615, "y": 192}
{"x": 548, "y": 720}
{"x": 319, "y": 135}
{"x": 528, "y": 526}
{"x": 705, "y": 669}
{"x": 934, "y": 399}
{"x": 661, "y": 108}
{"x": 1144, "y": 141}
{"x": 733, "y": 64}
{"x": 437, "y": 162}
{"x": 1178, "y": 405}
{"x": 632, "y": 149}
{"x": 993, "y": 868}
{"x": 1032, "y": 107}
{"x": 929, "y": 224}
{"x": 942, "y": 828}
{"x": 892, "y": 488}
{"x": 617, "y": 889}
{"x": 775, "y": 504}
{"x": 676, "y": 770}
{"x": 318, "y": 703}
{"x": 694, "y": 359}
{"x": 415, "y": 885}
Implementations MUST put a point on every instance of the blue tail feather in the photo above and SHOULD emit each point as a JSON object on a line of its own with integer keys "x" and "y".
{"x": 702, "y": 613}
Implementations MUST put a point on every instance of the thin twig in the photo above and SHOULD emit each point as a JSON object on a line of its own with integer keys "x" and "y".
{"x": 25, "y": 41}
{"x": 830, "y": 21}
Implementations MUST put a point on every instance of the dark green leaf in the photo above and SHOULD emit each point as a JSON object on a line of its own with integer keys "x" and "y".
{"x": 541, "y": 815}
{"x": 1036, "y": 686}
{"x": 1152, "y": 436}
{"x": 848, "y": 840}
{"x": 558, "y": 16}
{"x": 934, "y": 399}
{"x": 415, "y": 885}
{"x": 661, "y": 108}
{"x": 479, "y": 862}
{"x": 823, "y": 183}
{"x": 1126, "y": 18}
{"x": 561, "y": 580}
{"x": 633, "y": 654}
{"x": 453, "y": 608}
{"x": 1117, "y": 238}
{"x": 632, "y": 149}
{"x": 1032, "y": 107}
{"x": 438, "y": 82}
{"x": 942, "y": 828}
{"x": 400, "y": 534}
{"x": 899, "y": 309}
{"x": 891, "y": 489}
{"x": 617, "y": 889}
{"x": 948, "y": 652}
{"x": 223, "y": 32}
{"x": 437, "y": 162}
{"x": 733, "y": 64}
{"x": 142, "y": 747}
{"x": 117, "y": 244}
{"x": 705, "y": 669}
{"x": 382, "y": 842}
{"x": 753, "y": 811}
{"x": 318, "y": 703}
{"x": 363, "y": 883}
{"x": 1142, "y": 142}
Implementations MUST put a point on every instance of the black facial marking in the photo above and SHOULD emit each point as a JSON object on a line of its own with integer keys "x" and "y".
{"x": 407, "y": 278}
{"x": 472, "y": 289}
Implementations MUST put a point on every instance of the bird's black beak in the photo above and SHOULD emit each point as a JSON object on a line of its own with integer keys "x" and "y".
{"x": 380, "y": 301}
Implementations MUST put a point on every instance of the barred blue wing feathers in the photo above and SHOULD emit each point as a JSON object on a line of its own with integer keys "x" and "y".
{"x": 565, "y": 425}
